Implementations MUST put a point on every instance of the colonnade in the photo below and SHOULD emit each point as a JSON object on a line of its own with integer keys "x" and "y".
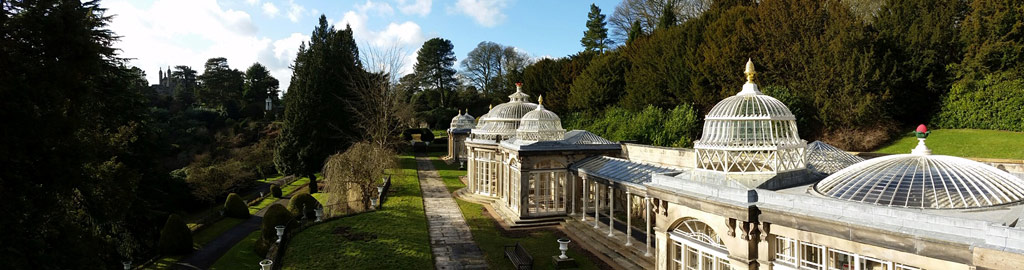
{"x": 594, "y": 189}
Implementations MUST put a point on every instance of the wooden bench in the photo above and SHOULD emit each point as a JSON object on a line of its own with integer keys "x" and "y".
{"x": 519, "y": 257}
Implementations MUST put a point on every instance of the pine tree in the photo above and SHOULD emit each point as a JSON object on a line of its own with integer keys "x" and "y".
{"x": 318, "y": 113}
{"x": 259, "y": 85}
{"x": 596, "y": 36}
{"x": 435, "y": 70}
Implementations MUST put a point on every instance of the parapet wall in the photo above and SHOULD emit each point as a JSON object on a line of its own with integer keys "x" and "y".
{"x": 664, "y": 156}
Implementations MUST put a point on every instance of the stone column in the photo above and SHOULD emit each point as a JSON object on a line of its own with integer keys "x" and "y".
{"x": 629, "y": 218}
{"x": 647, "y": 214}
{"x": 572, "y": 203}
{"x": 583, "y": 178}
{"x": 611, "y": 210}
{"x": 597, "y": 204}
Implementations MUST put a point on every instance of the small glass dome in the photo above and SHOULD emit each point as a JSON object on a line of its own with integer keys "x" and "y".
{"x": 827, "y": 159}
{"x": 922, "y": 180}
{"x": 540, "y": 125}
{"x": 502, "y": 121}
{"x": 463, "y": 121}
{"x": 750, "y": 132}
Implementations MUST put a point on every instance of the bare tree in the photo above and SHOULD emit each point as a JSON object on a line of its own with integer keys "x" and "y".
{"x": 487, "y": 67}
{"x": 382, "y": 111}
{"x": 648, "y": 13}
{"x": 352, "y": 177}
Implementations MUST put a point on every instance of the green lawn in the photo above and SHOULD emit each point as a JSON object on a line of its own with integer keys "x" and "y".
{"x": 164, "y": 263}
{"x": 541, "y": 244}
{"x": 393, "y": 238}
{"x": 269, "y": 179}
{"x": 975, "y": 143}
{"x": 286, "y": 190}
{"x": 211, "y": 232}
{"x": 241, "y": 256}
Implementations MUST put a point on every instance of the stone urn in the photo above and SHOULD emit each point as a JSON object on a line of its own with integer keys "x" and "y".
{"x": 563, "y": 246}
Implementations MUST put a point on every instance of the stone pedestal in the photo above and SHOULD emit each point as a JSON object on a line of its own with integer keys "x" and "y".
{"x": 568, "y": 263}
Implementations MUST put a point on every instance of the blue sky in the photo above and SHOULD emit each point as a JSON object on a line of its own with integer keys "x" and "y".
{"x": 160, "y": 33}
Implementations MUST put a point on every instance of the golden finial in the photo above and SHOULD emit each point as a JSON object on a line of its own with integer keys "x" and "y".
{"x": 540, "y": 99}
{"x": 491, "y": 108}
{"x": 750, "y": 71}
{"x": 460, "y": 111}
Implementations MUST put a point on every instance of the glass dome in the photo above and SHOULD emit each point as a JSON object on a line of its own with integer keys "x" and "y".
{"x": 750, "y": 132}
{"x": 921, "y": 180}
{"x": 825, "y": 158}
{"x": 540, "y": 125}
{"x": 463, "y": 121}
{"x": 502, "y": 121}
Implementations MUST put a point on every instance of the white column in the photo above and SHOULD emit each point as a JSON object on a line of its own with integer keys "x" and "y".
{"x": 611, "y": 211}
{"x": 597, "y": 204}
{"x": 572, "y": 178}
{"x": 629, "y": 218}
{"x": 647, "y": 214}
{"x": 583, "y": 216}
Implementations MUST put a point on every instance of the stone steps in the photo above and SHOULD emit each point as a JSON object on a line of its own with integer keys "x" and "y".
{"x": 631, "y": 257}
{"x": 513, "y": 222}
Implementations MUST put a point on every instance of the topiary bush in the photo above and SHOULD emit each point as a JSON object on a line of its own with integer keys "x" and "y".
{"x": 276, "y": 215}
{"x": 235, "y": 207}
{"x": 175, "y": 238}
{"x": 426, "y": 135}
{"x": 303, "y": 201}
{"x": 275, "y": 191}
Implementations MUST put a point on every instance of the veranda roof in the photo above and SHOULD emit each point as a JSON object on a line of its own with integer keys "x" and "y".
{"x": 619, "y": 170}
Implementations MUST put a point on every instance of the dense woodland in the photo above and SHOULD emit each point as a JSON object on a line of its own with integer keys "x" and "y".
{"x": 96, "y": 158}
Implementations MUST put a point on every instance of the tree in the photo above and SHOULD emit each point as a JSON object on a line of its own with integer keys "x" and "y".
{"x": 596, "y": 36}
{"x": 318, "y": 115}
{"x": 648, "y": 13}
{"x": 77, "y": 140}
{"x": 259, "y": 85}
{"x": 601, "y": 84}
{"x": 384, "y": 111}
{"x": 175, "y": 238}
{"x": 634, "y": 32}
{"x": 221, "y": 87}
{"x": 483, "y": 66}
{"x": 184, "y": 84}
{"x": 668, "y": 17}
{"x": 992, "y": 38}
{"x": 434, "y": 67}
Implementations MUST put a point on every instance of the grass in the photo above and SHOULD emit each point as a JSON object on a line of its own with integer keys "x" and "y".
{"x": 974, "y": 143}
{"x": 400, "y": 230}
{"x": 540, "y": 243}
{"x": 269, "y": 179}
{"x": 204, "y": 236}
{"x": 164, "y": 263}
{"x": 241, "y": 256}
{"x": 286, "y": 190}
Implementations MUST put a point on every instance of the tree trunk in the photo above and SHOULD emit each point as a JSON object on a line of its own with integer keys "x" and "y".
{"x": 312, "y": 184}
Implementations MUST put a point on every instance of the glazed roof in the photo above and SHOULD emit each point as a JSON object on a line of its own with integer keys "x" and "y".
{"x": 827, "y": 159}
{"x": 463, "y": 121}
{"x": 504, "y": 119}
{"x": 922, "y": 180}
{"x": 540, "y": 125}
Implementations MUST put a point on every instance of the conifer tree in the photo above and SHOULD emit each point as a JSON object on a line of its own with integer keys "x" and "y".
{"x": 435, "y": 69}
{"x": 596, "y": 36}
{"x": 318, "y": 113}
{"x": 634, "y": 32}
{"x": 668, "y": 17}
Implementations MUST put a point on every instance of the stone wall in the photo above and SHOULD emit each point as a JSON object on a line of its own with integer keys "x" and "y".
{"x": 664, "y": 156}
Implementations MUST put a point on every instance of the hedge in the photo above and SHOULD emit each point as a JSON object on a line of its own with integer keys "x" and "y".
{"x": 276, "y": 215}
{"x": 302, "y": 201}
{"x": 991, "y": 103}
{"x": 275, "y": 191}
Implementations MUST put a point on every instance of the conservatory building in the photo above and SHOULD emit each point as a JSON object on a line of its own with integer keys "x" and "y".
{"x": 457, "y": 133}
{"x": 751, "y": 194}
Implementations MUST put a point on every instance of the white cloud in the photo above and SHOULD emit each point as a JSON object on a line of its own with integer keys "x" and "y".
{"x": 157, "y": 37}
{"x": 487, "y": 13}
{"x": 295, "y": 11}
{"x": 380, "y": 8}
{"x": 270, "y": 9}
{"x": 419, "y": 7}
{"x": 314, "y": 12}
{"x": 253, "y": 2}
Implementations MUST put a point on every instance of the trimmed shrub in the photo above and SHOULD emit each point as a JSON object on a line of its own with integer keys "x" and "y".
{"x": 426, "y": 135}
{"x": 275, "y": 191}
{"x": 992, "y": 103}
{"x": 276, "y": 215}
{"x": 303, "y": 201}
{"x": 235, "y": 207}
{"x": 175, "y": 238}
{"x": 652, "y": 125}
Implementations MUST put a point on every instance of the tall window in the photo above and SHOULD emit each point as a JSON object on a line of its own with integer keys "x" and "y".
{"x": 697, "y": 247}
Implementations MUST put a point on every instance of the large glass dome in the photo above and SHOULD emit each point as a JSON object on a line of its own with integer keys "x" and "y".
{"x": 540, "y": 125}
{"x": 921, "y": 180}
{"x": 750, "y": 132}
{"x": 502, "y": 121}
{"x": 463, "y": 121}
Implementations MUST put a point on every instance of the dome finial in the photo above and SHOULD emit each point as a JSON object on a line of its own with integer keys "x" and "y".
{"x": 750, "y": 71}
{"x": 491, "y": 107}
{"x": 540, "y": 100}
{"x": 460, "y": 111}
{"x": 922, "y": 134}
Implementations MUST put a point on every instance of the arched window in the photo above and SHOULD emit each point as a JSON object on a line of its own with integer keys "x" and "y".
{"x": 696, "y": 246}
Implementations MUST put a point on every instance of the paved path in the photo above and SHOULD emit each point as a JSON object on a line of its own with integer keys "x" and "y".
{"x": 450, "y": 238}
{"x": 212, "y": 251}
